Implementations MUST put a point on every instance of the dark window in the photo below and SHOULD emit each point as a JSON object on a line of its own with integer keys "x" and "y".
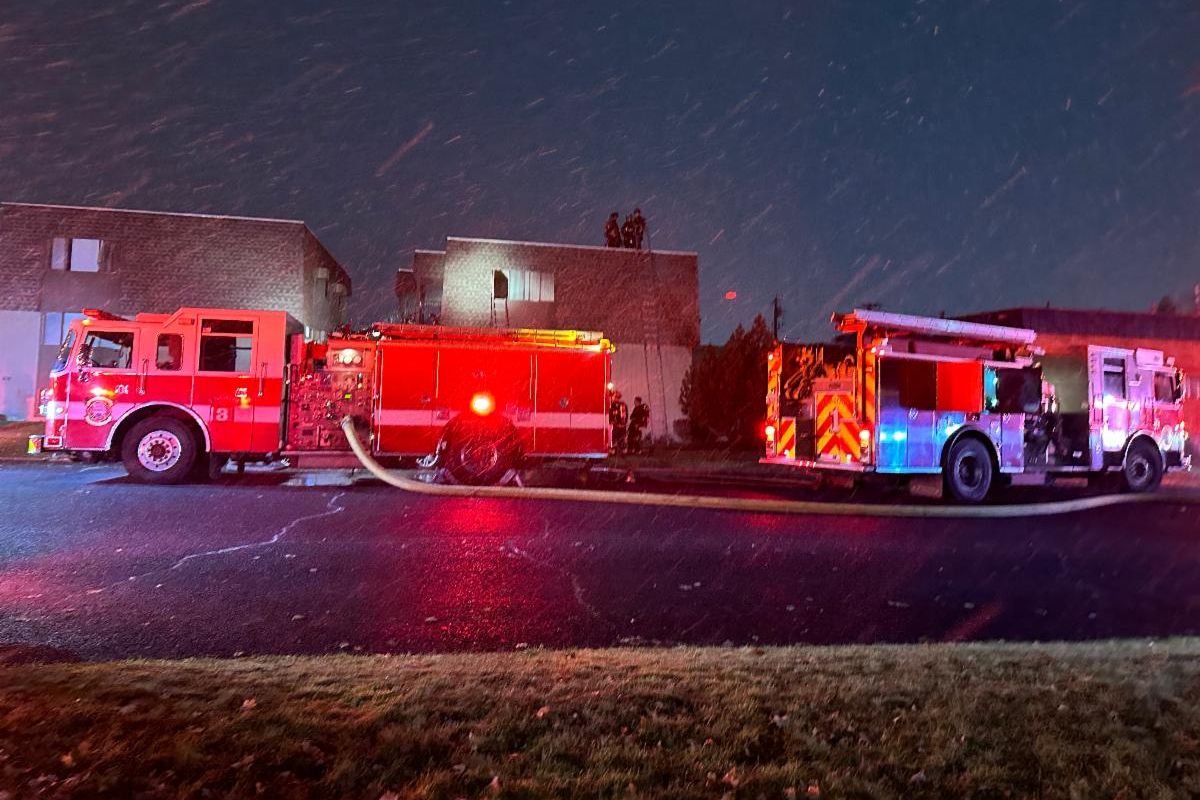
{"x": 170, "y": 351}
{"x": 107, "y": 350}
{"x": 1114, "y": 378}
{"x": 1164, "y": 387}
{"x": 56, "y": 326}
{"x": 64, "y": 352}
{"x": 227, "y": 326}
{"x": 1014, "y": 391}
{"x": 226, "y": 345}
{"x": 225, "y": 353}
{"x": 905, "y": 383}
{"x": 524, "y": 284}
{"x": 77, "y": 255}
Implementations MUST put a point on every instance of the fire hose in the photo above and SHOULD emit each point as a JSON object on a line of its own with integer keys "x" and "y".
{"x": 740, "y": 504}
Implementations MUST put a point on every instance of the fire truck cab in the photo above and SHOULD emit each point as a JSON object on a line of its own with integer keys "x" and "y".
{"x": 902, "y": 395}
{"x": 179, "y": 395}
{"x": 169, "y": 394}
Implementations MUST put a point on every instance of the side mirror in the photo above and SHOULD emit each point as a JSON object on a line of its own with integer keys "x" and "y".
{"x": 83, "y": 360}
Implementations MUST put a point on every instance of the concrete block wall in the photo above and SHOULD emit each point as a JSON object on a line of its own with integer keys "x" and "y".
{"x": 158, "y": 262}
{"x": 646, "y": 303}
{"x": 630, "y": 295}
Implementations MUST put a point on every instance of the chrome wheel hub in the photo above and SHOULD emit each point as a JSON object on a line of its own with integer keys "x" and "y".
{"x": 160, "y": 450}
{"x": 479, "y": 457}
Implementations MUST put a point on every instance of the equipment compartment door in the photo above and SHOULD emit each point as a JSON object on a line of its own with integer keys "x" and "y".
{"x": 837, "y": 425}
{"x": 1108, "y": 381}
{"x": 503, "y": 374}
{"x": 407, "y": 384}
{"x": 571, "y": 411}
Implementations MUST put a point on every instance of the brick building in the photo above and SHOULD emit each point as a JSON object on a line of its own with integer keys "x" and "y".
{"x": 645, "y": 302}
{"x": 57, "y": 260}
{"x": 1062, "y": 329}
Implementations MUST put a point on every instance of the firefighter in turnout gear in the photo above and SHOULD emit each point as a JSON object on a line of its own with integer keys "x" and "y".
{"x": 629, "y": 232}
{"x": 612, "y": 230}
{"x": 639, "y": 420}
{"x": 618, "y": 418}
{"x": 639, "y": 228}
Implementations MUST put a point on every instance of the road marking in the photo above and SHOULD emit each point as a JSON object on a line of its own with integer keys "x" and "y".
{"x": 329, "y": 511}
{"x": 744, "y": 505}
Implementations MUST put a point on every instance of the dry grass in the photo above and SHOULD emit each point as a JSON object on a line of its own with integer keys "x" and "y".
{"x": 14, "y": 436}
{"x": 1081, "y": 721}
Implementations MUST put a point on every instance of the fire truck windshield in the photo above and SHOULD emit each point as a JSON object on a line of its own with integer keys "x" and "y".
{"x": 64, "y": 352}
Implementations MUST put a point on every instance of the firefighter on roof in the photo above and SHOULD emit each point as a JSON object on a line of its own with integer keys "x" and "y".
{"x": 628, "y": 232}
{"x": 612, "y": 230}
{"x": 639, "y": 228}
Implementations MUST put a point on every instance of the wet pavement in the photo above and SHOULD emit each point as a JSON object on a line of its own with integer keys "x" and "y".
{"x": 105, "y": 568}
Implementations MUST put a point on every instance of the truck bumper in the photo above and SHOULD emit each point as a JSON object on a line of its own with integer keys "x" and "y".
{"x": 41, "y": 444}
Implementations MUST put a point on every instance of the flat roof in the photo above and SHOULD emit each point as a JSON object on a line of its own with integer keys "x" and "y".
{"x": 1103, "y": 322}
{"x": 153, "y": 213}
{"x": 561, "y": 245}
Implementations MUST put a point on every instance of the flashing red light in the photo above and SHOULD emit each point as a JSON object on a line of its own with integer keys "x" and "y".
{"x": 483, "y": 404}
{"x": 731, "y": 295}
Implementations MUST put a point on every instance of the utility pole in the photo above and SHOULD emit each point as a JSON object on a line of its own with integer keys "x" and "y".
{"x": 776, "y": 316}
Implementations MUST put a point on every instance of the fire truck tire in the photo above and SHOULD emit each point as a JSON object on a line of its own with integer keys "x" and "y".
{"x": 1142, "y": 470}
{"x": 159, "y": 450}
{"x": 480, "y": 455}
{"x": 968, "y": 471}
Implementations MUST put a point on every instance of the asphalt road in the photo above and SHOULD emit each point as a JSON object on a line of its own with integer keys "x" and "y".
{"x": 105, "y": 568}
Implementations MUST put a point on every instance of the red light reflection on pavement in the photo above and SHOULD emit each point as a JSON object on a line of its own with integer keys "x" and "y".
{"x": 476, "y": 586}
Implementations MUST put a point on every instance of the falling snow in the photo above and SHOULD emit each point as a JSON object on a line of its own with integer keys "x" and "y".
{"x": 922, "y": 155}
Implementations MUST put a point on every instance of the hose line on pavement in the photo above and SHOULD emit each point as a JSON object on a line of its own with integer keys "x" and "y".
{"x": 739, "y": 504}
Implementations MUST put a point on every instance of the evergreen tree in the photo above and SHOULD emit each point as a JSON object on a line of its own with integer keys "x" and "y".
{"x": 724, "y": 392}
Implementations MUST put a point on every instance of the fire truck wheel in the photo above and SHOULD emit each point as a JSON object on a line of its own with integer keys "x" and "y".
{"x": 1143, "y": 467}
{"x": 159, "y": 450}
{"x": 968, "y": 471}
{"x": 479, "y": 456}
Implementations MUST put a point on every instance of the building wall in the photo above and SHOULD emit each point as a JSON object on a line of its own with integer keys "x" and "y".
{"x": 158, "y": 262}
{"x": 646, "y": 303}
{"x": 654, "y": 373}
{"x": 326, "y": 287}
{"x": 20, "y": 331}
{"x": 1185, "y": 352}
{"x": 630, "y": 295}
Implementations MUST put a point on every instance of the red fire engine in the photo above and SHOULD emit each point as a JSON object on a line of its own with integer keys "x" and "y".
{"x": 172, "y": 395}
{"x": 902, "y": 395}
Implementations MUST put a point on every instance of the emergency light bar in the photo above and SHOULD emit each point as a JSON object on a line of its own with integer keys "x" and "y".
{"x": 96, "y": 313}
{"x": 514, "y": 335}
{"x": 932, "y": 326}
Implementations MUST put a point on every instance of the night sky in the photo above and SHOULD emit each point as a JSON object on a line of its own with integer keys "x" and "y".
{"x": 927, "y": 156}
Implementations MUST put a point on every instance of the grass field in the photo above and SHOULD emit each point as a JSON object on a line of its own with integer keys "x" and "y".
{"x": 1063, "y": 721}
{"x": 14, "y": 436}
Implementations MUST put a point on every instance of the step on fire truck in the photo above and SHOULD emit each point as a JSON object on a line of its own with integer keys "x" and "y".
{"x": 900, "y": 395}
{"x": 176, "y": 395}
